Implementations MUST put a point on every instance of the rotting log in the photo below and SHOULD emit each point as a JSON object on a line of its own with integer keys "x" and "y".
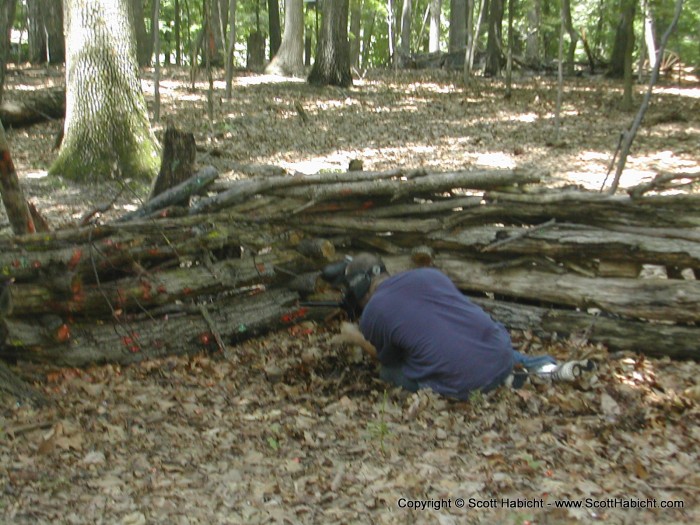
{"x": 184, "y": 332}
{"x": 651, "y": 299}
{"x": 426, "y": 185}
{"x": 654, "y": 339}
{"x": 677, "y": 211}
{"x": 576, "y": 242}
{"x": 29, "y": 107}
{"x": 154, "y": 288}
{"x": 175, "y": 195}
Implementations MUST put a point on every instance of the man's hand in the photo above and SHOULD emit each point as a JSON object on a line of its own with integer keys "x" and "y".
{"x": 350, "y": 333}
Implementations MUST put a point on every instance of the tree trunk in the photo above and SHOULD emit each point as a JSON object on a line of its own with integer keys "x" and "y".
{"x": 7, "y": 15}
{"x": 45, "y": 32}
{"x": 12, "y": 194}
{"x": 573, "y": 35}
{"x": 434, "y": 39}
{"x": 494, "y": 50}
{"x": 623, "y": 35}
{"x": 532, "y": 42}
{"x": 289, "y": 60}
{"x": 106, "y": 131}
{"x": 230, "y": 48}
{"x": 273, "y": 9}
{"x": 156, "y": 69}
{"x": 332, "y": 64}
{"x": 144, "y": 41}
{"x": 355, "y": 28}
{"x": 405, "y": 43}
{"x": 391, "y": 32}
{"x": 458, "y": 25}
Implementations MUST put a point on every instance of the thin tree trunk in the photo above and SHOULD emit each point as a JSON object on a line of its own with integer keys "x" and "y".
{"x": 144, "y": 42}
{"x": 289, "y": 59}
{"x": 273, "y": 10}
{"x": 156, "y": 50}
{"x": 405, "y": 45}
{"x": 355, "y": 29}
{"x": 391, "y": 32}
{"x": 178, "y": 35}
{"x": 495, "y": 33}
{"x": 230, "y": 47}
{"x": 12, "y": 194}
{"x": 458, "y": 25}
{"x": 7, "y": 15}
{"x": 509, "y": 63}
{"x": 434, "y": 41}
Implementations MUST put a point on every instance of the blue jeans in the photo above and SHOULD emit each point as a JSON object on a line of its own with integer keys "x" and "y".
{"x": 395, "y": 376}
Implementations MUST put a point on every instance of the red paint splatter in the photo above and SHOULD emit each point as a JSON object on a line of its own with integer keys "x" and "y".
{"x": 294, "y": 315}
{"x": 75, "y": 259}
{"x": 63, "y": 333}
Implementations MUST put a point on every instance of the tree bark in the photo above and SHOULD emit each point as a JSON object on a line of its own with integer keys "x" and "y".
{"x": 7, "y": 16}
{"x": 405, "y": 42}
{"x": 623, "y": 35}
{"x": 494, "y": 46}
{"x": 274, "y": 29}
{"x": 289, "y": 59}
{"x": 355, "y": 28}
{"x": 45, "y": 32}
{"x": 12, "y": 195}
{"x": 144, "y": 41}
{"x": 458, "y": 25}
{"x": 106, "y": 131}
{"x": 332, "y": 64}
{"x": 434, "y": 38}
{"x": 181, "y": 330}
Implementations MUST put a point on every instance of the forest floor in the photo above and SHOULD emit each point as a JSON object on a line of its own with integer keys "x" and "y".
{"x": 295, "y": 428}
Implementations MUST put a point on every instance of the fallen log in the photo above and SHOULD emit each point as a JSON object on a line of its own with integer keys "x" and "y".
{"x": 416, "y": 187}
{"x": 29, "y": 107}
{"x": 575, "y": 242}
{"x": 650, "y": 299}
{"x": 654, "y": 339}
{"x": 133, "y": 340}
{"x": 151, "y": 289}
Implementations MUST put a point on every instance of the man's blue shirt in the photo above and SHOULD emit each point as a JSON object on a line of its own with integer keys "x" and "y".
{"x": 420, "y": 320}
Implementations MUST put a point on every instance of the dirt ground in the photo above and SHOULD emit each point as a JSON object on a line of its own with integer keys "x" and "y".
{"x": 294, "y": 427}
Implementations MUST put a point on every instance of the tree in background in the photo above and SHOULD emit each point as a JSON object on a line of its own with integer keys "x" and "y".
{"x": 434, "y": 41}
{"x": 273, "y": 14}
{"x": 458, "y": 25}
{"x": 144, "y": 41}
{"x": 289, "y": 59}
{"x": 106, "y": 130}
{"x": 45, "y": 31}
{"x": 495, "y": 37}
{"x": 405, "y": 33}
{"x": 7, "y": 15}
{"x": 332, "y": 64}
{"x": 624, "y": 39}
{"x": 355, "y": 28}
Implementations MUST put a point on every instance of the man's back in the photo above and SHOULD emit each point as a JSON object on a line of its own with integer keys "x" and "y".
{"x": 444, "y": 341}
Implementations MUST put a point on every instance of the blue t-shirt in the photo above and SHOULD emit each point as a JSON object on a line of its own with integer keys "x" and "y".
{"x": 419, "y": 320}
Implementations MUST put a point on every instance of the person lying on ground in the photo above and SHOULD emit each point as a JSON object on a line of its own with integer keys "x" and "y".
{"x": 426, "y": 334}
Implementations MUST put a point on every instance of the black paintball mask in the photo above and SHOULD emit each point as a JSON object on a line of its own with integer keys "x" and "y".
{"x": 354, "y": 280}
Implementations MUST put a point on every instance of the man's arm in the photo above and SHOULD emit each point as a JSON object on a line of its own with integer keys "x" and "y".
{"x": 350, "y": 333}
